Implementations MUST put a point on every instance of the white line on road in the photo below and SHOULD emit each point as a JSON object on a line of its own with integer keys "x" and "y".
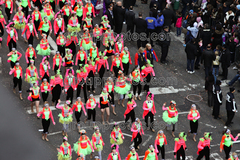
{"x": 149, "y": 137}
{"x": 128, "y": 135}
{"x": 208, "y": 125}
{"x": 236, "y": 141}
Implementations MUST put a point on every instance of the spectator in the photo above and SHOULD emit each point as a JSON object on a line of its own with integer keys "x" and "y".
{"x": 193, "y": 30}
{"x": 206, "y": 36}
{"x": 158, "y": 4}
{"x": 165, "y": 43}
{"x": 185, "y": 4}
{"x": 151, "y": 23}
{"x": 153, "y": 11}
{"x": 216, "y": 62}
{"x": 232, "y": 48}
{"x": 169, "y": 16}
{"x": 208, "y": 57}
{"x": 140, "y": 29}
{"x": 225, "y": 61}
{"x": 130, "y": 17}
{"x": 235, "y": 78}
{"x": 179, "y": 23}
{"x": 109, "y": 14}
{"x": 209, "y": 81}
{"x": 217, "y": 36}
{"x": 217, "y": 96}
{"x": 159, "y": 24}
{"x": 191, "y": 51}
{"x": 199, "y": 54}
{"x": 119, "y": 15}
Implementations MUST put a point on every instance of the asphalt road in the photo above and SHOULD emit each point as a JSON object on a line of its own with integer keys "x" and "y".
{"x": 21, "y": 138}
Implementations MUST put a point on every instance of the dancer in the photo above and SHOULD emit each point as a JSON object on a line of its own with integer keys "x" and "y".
{"x": 160, "y": 143}
{"x": 140, "y": 59}
{"x": 31, "y": 75}
{"x": 132, "y": 155}
{"x": 69, "y": 85}
{"x": 136, "y": 82}
{"x": 193, "y": 116}
{"x": 67, "y": 11}
{"x": 116, "y": 65}
{"x": 45, "y": 89}
{"x": 36, "y": 17}
{"x": 66, "y": 116}
{"x": 47, "y": 11}
{"x": 104, "y": 23}
{"x": 8, "y": 8}
{"x": 122, "y": 87}
{"x": 137, "y": 134}
{"x": 170, "y": 115}
{"x": 58, "y": 24}
{"x": 61, "y": 43}
{"x": 68, "y": 59}
{"x": 149, "y": 110}
{"x": 116, "y": 136}
{"x": 126, "y": 60}
{"x": 130, "y": 113}
{"x": 30, "y": 54}
{"x": 88, "y": 10}
{"x": 2, "y": 26}
{"x": 65, "y": 150}
{"x": 83, "y": 145}
{"x": 119, "y": 45}
{"x": 17, "y": 79}
{"x": 97, "y": 142}
{"x": 108, "y": 42}
{"x": 104, "y": 99}
{"x": 45, "y": 27}
{"x": 43, "y": 69}
{"x": 12, "y": 36}
{"x": 72, "y": 42}
{"x": 150, "y": 154}
{"x": 97, "y": 33}
{"x": 19, "y": 20}
{"x": 150, "y": 54}
{"x": 102, "y": 64}
{"x": 204, "y": 146}
{"x": 114, "y": 155}
{"x": 94, "y": 54}
{"x": 34, "y": 96}
{"x": 79, "y": 11}
{"x": 180, "y": 146}
{"x": 57, "y": 62}
{"x": 81, "y": 81}
{"x": 46, "y": 116}
{"x": 109, "y": 85}
{"x": 73, "y": 24}
{"x": 86, "y": 41}
{"x": 91, "y": 112}
{"x": 79, "y": 107}
{"x": 14, "y": 56}
{"x": 91, "y": 69}
{"x": 56, "y": 86}
{"x": 146, "y": 73}
{"x": 226, "y": 142}
{"x": 44, "y": 48}
{"x": 30, "y": 31}
{"x": 217, "y": 96}
{"x": 81, "y": 57}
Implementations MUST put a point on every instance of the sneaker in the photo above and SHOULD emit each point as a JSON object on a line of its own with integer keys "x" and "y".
{"x": 193, "y": 71}
{"x": 124, "y": 22}
{"x": 188, "y": 71}
{"x": 235, "y": 68}
{"x": 225, "y": 127}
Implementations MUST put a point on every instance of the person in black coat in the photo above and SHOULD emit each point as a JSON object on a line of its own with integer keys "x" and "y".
{"x": 164, "y": 43}
{"x": 158, "y": 4}
{"x": 217, "y": 97}
{"x": 206, "y": 36}
{"x": 225, "y": 61}
{"x": 140, "y": 28}
{"x": 119, "y": 15}
{"x": 199, "y": 54}
{"x": 209, "y": 81}
{"x": 208, "y": 57}
{"x": 169, "y": 16}
{"x": 231, "y": 107}
{"x": 153, "y": 11}
{"x": 130, "y": 17}
{"x": 127, "y": 3}
{"x": 109, "y": 14}
{"x": 191, "y": 51}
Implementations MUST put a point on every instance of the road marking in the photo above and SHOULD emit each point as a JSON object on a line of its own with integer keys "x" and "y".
{"x": 236, "y": 141}
{"x": 149, "y": 137}
{"x": 216, "y": 156}
{"x": 208, "y": 125}
{"x": 50, "y": 134}
{"x": 128, "y": 135}
{"x": 183, "y": 112}
{"x": 53, "y": 44}
{"x": 214, "y": 145}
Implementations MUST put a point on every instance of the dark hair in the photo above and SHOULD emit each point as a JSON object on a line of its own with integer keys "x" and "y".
{"x": 140, "y": 14}
{"x": 134, "y": 68}
{"x": 131, "y": 8}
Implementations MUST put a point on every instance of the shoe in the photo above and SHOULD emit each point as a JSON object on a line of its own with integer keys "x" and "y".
{"x": 173, "y": 134}
{"x": 194, "y": 140}
{"x": 123, "y": 105}
{"x": 103, "y": 122}
{"x": 14, "y": 91}
{"x": 107, "y": 122}
{"x": 225, "y": 127}
{"x": 124, "y": 22}
{"x": 152, "y": 130}
{"x": 46, "y": 139}
{"x": 139, "y": 98}
{"x": 42, "y": 137}
{"x": 135, "y": 98}
{"x": 85, "y": 120}
{"x": 114, "y": 113}
{"x": 187, "y": 71}
{"x": 193, "y": 72}
{"x": 63, "y": 133}
{"x": 235, "y": 68}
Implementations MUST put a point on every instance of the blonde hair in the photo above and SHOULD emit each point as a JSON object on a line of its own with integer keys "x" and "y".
{"x": 140, "y": 50}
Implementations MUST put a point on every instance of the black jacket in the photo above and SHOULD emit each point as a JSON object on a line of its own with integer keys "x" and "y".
{"x": 225, "y": 58}
{"x": 191, "y": 50}
{"x": 208, "y": 57}
{"x": 130, "y": 17}
{"x": 169, "y": 17}
{"x": 141, "y": 25}
{"x": 110, "y": 18}
{"x": 165, "y": 40}
{"x": 119, "y": 15}
{"x": 230, "y": 102}
{"x": 206, "y": 36}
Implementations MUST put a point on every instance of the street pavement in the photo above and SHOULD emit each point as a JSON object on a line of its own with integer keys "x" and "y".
{"x": 21, "y": 137}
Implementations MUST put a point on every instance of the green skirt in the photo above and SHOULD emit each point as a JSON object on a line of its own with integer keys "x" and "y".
{"x": 64, "y": 157}
{"x": 124, "y": 90}
{"x": 119, "y": 141}
{"x": 99, "y": 146}
{"x": 86, "y": 46}
{"x": 73, "y": 29}
{"x": 85, "y": 151}
{"x": 31, "y": 79}
{"x": 66, "y": 120}
{"x": 42, "y": 52}
{"x": 19, "y": 25}
{"x": 169, "y": 120}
